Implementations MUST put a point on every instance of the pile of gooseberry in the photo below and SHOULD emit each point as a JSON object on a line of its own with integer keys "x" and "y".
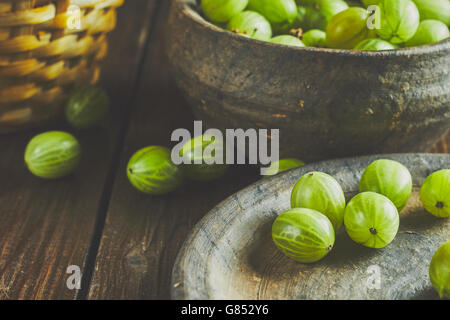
{"x": 340, "y": 24}
{"x": 306, "y": 232}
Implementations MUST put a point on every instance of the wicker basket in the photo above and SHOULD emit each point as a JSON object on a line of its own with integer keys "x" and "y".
{"x": 46, "y": 46}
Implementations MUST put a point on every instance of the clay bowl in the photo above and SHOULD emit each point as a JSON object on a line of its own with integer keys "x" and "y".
{"x": 230, "y": 254}
{"x": 327, "y": 103}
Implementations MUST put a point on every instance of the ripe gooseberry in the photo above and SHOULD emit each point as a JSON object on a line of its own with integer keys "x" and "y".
{"x": 371, "y": 219}
{"x": 389, "y": 178}
{"x": 222, "y": 10}
{"x": 304, "y": 235}
{"x": 435, "y": 193}
{"x": 250, "y": 24}
{"x": 287, "y": 40}
{"x": 434, "y": 9}
{"x": 276, "y": 11}
{"x": 315, "y": 38}
{"x": 374, "y": 44}
{"x": 429, "y": 31}
{"x": 320, "y": 191}
{"x": 150, "y": 170}
{"x": 440, "y": 270}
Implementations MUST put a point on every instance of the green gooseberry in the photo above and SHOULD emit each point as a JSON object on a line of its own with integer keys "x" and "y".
{"x": 304, "y": 235}
{"x": 389, "y": 178}
{"x": 435, "y": 193}
{"x": 440, "y": 271}
{"x": 315, "y": 38}
{"x": 320, "y": 191}
{"x": 251, "y": 24}
{"x": 434, "y": 9}
{"x": 276, "y": 11}
{"x": 53, "y": 154}
{"x": 371, "y": 219}
{"x": 429, "y": 31}
{"x": 150, "y": 170}
{"x": 348, "y": 28}
{"x": 283, "y": 165}
{"x": 222, "y": 10}
{"x": 287, "y": 40}
{"x": 374, "y": 45}
{"x": 369, "y": 3}
{"x": 320, "y": 13}
{"x": 200, "y": 156}
{"x": 399, "y": 20}
{"x": 87, "y": 107}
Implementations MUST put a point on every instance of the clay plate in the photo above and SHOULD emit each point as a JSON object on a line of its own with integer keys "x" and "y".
{"x": 230, "y": 253}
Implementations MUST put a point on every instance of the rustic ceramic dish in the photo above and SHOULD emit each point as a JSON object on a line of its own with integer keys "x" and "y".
{"x": 327, "y": 103}
{"x": 230, "y": 253}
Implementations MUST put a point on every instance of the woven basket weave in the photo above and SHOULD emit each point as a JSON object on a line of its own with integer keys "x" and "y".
{"x": 45, "y": 48}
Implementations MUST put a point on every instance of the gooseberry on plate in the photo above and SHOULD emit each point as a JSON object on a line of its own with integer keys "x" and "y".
{"x": 389, "y": 178}
{"x": 53, "y": 154}
{"x": 435, "y": 193}
{"x": 87, "y": 107}
{"x": 222, "y": 10}
{"x": 250, "y": 24}
{"x": 304, "y": 235}
{"x": 429, "y": 31}
{"x": 320, "y": 191}
{"x": 371, "y": 219}
{"x": 440, "y": 270}
{"x": 150, "y": 170}
{"x": 204, "y": 158}
{"x": 399, "y": 20}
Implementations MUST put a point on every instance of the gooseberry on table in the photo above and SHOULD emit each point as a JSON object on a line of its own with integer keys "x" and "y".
{"x": 435, "y": 193}
{"x": 199, "y": 165}
{"x": 374, "y": 45}
{"x": 348, "y": 28}
{"x": 320, "y": 191}
{"x": 371, "y": 219}
{"x": 304, "y": 235}
{"x": 250, "y": 24}
{"x": 429, "y": 31}
{"x": 87, "y": 107}
{"x": 222, "y": 10}
{"x": 53, "y": 154}
{"x": 150, "y": 170}
{"x": 389, "y": 178}
{"x": 439, "y": 271}
{"x": 287, "y": 40}
{"x": 399, "y": 20}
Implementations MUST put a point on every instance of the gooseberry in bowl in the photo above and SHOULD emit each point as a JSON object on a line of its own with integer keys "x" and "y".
{"x": 434, "y": 9}
{"x": 276, "y": 11}
{"x": 250, "y": 24}
{"x": 283, "y": 165}
{"x": 304, "y": 235}
{"x": 315, "y": 38}
{"x": 371, "y": 219}
{"x": 399, "y": 20}
{"x": 389, "y": 178}
{"x": 53, "y": 154}
{"x": 320, "y": 191}
{"x": 440, "y": 271}
{"x": 375, "y": 45}
{"x": 435, "y": 193}
{"x": 287, "y": 40}
{"x": 222, "y": 10}
{"x": 348, "y": 28}
{"x": 151, "y": 171}
{"x": 429, "y": 31}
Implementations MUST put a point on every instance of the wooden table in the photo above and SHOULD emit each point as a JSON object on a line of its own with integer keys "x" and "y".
{"x": 124, "y": 242}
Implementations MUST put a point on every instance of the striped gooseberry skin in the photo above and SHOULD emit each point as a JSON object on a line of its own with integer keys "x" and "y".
{"x": 304, "y": 235}
{"x": 151, "y": 171}
{"x": 440, "y": 271}
{"x": 53, "y": 154}
{"x": 320, "y": 191}
{"x": 435, "y": 193}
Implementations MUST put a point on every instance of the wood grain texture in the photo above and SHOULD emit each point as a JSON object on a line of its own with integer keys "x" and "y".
{"x": 45, "y": 226}
{"x": 230, "y": 253}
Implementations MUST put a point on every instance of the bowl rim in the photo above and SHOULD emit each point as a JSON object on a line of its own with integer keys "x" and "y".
{"x": 185, "y": 8}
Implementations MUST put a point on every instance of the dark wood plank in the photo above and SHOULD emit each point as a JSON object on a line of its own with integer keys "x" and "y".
{"x": 45, "y": 226}
{"x": 142, "y": 234}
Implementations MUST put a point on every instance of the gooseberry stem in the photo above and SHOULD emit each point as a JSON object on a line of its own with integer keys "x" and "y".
{"x": 373, "y": 231}
{"x": 439, "y": 205}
